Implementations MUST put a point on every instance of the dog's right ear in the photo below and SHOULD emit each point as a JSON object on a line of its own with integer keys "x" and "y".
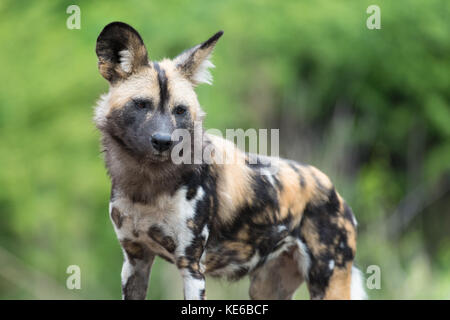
{"x": 120, "y": 51}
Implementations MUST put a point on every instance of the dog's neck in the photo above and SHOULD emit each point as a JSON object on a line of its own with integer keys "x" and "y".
{"x": 139, "y": 180}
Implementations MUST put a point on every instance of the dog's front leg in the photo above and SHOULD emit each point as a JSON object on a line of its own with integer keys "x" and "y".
{"x": 135, "y": 270}
{"x": 194, "y": 284}
{"x": 191, "y": 269}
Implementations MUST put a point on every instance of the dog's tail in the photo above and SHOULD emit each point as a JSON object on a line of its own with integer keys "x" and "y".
{"x": 357, "y": 291}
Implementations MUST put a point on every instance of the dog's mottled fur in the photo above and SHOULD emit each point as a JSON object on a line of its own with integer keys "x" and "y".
{"x": 226, "y": 220}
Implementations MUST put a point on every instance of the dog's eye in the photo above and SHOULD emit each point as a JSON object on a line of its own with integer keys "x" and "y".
{"x": 140, "y": 104}
{"x": 179, "y": 110}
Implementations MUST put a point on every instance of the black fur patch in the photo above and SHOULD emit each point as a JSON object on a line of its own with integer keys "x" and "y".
{"x": 125, "y": 126}
{"x": 264, "y": 236}
{"x": 114, "y": 38}
{"x": 211, "y": 40}
{"x": 202, "y": 294}
{"x": 202, "y": 177}
{"x": 134, "y": 250}
{"x": 333, "y": 237}
{"x": 135, "y": 288}
{"x": 163, "y": 91}
{"x": 348, "y": 214}
{"x": 302, "y": 178}
{"x": 165, "y": 241}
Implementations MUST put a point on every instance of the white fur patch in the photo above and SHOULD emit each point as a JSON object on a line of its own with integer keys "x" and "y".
{"x": 357, "y": 291}
{"x": 269, "y": 176}
{"x": 331, "y": 264}
{"x": 193, "y": 287}
{"x": 354, "y": 220}
{"x": 303, "y": 259}
{"x": 127, "y": 271}
{"x": 126, "y": 60}
{"x": 186, "y": 210}
{"x": 110, "y": 217}
{"x": 202, "y": 74}
{"x": 205, "y": 234}
{"x": 101, "y": 110}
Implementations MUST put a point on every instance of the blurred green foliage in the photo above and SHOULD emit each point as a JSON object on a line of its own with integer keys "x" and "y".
{"x": 368, "y": 107}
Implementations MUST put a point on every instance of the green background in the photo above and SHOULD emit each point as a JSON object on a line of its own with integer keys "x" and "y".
{"x": 368, "y": 107}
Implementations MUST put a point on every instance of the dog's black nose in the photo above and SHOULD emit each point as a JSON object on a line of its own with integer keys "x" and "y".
{"x": 161, "y": 142}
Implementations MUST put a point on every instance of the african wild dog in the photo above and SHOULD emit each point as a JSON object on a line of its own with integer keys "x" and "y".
{"x": 218, "y": 219}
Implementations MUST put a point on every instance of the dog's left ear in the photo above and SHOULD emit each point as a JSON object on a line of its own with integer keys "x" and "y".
{"x": 120, "y": 51}
{"x": 194, "y": 63}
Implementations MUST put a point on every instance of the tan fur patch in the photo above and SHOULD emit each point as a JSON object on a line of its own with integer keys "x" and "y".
{"x": 233, "y": 187}
{"x": 190, "y": 224}
{"x": 339, "y": 284}
{"x": 182, "y": 262}
{"x": 292, "y": 199}
{"x": 311, "y": 236}
{"x": 278, "y": 278}
{"x": 243, "y": 234}
{"x": 181, "y": 90}
{"x": 134, "y": 250}
{"x": 144, "y": 84}
{"x": 140, "y": 85}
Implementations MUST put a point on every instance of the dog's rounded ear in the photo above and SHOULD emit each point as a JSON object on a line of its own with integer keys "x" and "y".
{"x": 120, "y": 51}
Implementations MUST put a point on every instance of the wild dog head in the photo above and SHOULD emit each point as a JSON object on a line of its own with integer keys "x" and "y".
{"x": 148, "y": 100}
